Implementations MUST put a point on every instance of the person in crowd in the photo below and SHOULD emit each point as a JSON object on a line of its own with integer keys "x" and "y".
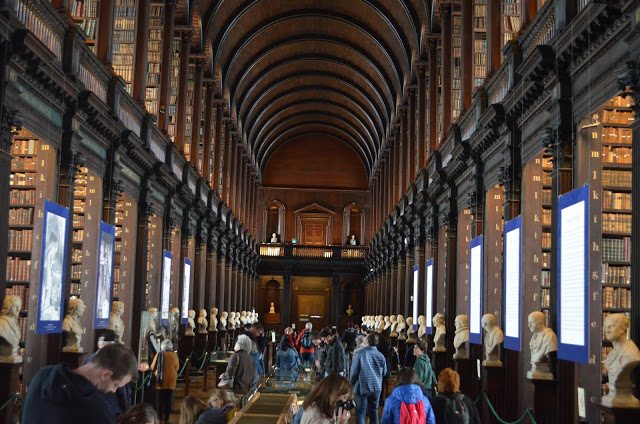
{"x": 141, "y": 413}
{"x": 224, "y": 400}
{"x": 349, "y": 339}
{"x": 367, "y": 370}
{"x": 241, "y": 367}
{"x": 407, "y": 398}
{"x": 165, "y": 365}
{"x": 423, "y": 367}
{"x": 119, "y": 401}
{"x": 384, "y": 348}
{"x": 259, "y": 341}
{"x": 288, "y": 334}
{"x": 409, "y": 357}
{"x": 360, "y": 343}
{"x": 287, "y": 361}
{"x": 191, "y": 409}
{"x": 306, "y": 349}
{"x": 58, "y": 395}
{"x": 319, "y": 355}
{"x": 448, "y": 391}
{"x": 336, "y": 359}
{"x": 319, "y": 406}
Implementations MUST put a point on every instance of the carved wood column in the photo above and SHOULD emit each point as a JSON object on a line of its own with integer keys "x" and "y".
{"x": 467, "y": 54}
{"x": 226, "y": 162}
{"x": 207, "y": 160}
{"x": 396, "y": 168}
{"x": 432, "y": 82}
{"x": 210, "y": 294}
{"x": 217, "y": 146}
{"x": 200, "y": 272}
{"x": 421, "y": 156}
{"x": 196, "y": 113}
{"x": 222, "y": 281}
{"x": 167, "y": 58}
{"x": 412, "y": 157}
{"x": 104, "y": 32}
{"x": 494, "y": 36}
{"x": 185, "y": 52}
{"x": 403, "y": 160}
{"x": 139, "y": 80}
{"x": 447, "y": 92}
{"x": 451, "y": 252}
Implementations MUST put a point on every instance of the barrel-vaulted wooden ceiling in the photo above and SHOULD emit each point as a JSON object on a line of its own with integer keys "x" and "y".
{"x": 290, "y": 68}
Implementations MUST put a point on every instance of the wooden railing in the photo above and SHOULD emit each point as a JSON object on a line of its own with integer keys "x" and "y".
{"x": 306, "y": 251}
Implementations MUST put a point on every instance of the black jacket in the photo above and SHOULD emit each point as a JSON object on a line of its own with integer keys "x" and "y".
{"x": 349, "y": 337}
{"x": 336, "y": 360}
{"x": 439, "y": 405}
{"x": 59, "y": 396}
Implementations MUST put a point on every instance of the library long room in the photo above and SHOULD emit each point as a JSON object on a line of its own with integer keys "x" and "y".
{"x": 260, "y": 211}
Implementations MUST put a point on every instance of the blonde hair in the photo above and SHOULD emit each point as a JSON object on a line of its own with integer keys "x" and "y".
{"x": 191, "y": 409}
{"x": 223, "y": 396}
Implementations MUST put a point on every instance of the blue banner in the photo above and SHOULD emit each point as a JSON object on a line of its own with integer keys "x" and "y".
{"x": 475, "y": 290}
{"x": 512, "y": 283}
{"x": 107, "y": 245}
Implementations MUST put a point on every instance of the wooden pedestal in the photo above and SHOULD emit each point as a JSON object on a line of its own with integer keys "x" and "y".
{"x": 186, "y": 345}
{"x": 272, "y": 318}
{"x": 619, "y": 415}
{"x": 403, "y": 347}
{"x": 545, "y": 401}
{"x": 438, "y": 361}
{"x": 200, "y": 344}
{"x": 467, "y": 370}
{"x": 223, "y": 343}
{"x": 73, "y": 359}
{"x": 212, "y": 341}
{"x": 9, "y": 376}
{"x": 493, "y": 383}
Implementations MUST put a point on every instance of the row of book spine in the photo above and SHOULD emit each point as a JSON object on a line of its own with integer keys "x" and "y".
{"x": 614, "y": 200}
{"x": 614, "y": 155}
{"x": 20, "y": 239}
{"x": 25, "y": 147}
{"x": 18, "y": 269}
{"x": 620, "y": 222}
{"x": 616, "y": 250}
{"x": 616, "y": 297}
{"x": 614, "y": 178}
{"x": 617, "y": 117}
{"x": 616, "y": 274}
{"x": 22, "y": 197}
{"x": 21, "y": 216}
{"x": 18, "y": 179}
{"x": 24, "y": 163}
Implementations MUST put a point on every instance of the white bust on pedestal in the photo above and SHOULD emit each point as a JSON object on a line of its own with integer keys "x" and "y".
{"x": 274, "y": 238}
{"x": 71, "y": 326}
{"x": 401, "y": 328}
{"x": 213, "y": 322}
{"x": 10, "y": 333}
{"x": 411, "y": 333}
{"x": 422, "y": 326}
{"x": 232, "y": 321}
{"x": 620, "y": 362}
{"x": 272, "y": 309}
{"x": 352, "y": 240}
{"x": 461, "y": 339}
{"x": 223, "y": 320}
{"x": 203, "y": 324}
{"x": 380, "y": 323}
{"x": 441, "y": 330}
{"x": 394, "y": 326}
{"x": 387, "y": 323}
{"x": 190, "y": 323}
{"x": 243, "y": 317}
{"x": 362, "y": 321}
{"x": 493, "y": 338}
{"x": 543, "y": 341}
{"x": 115, "y": 323}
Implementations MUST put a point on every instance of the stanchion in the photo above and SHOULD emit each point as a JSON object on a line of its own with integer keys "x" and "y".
{"x": 545, "y": 400}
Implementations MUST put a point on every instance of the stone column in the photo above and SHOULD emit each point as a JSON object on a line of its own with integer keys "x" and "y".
{"x": 286, "y": 299}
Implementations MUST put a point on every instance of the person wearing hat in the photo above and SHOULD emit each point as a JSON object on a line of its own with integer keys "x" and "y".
{"x": 119, "y": 401}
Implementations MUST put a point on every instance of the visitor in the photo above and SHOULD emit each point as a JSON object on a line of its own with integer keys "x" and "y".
{"x": 360, "y": 343}
{"x": 191, "y": 409}
{"x": 287, "y": 359}
{"x": 288, "y": 334}
{"x": 335, "y": 359}
{"x": 407, "y": 398}
{"x": 319, "y": 406}
{"x": 241, "y": 367}
{"x": 423, "y": 367}
{"x": 165, "y": 365}
{"x": 224, "y": 400}
{"x": 59, "y": 395}
{"x": 141, "y": 413}
{"x": 306, "y": 349}
{"x": 367, "y": 370}
{"x": 319, "y": 355}
{"x": 259, "y": 342}
{"x": 448, "y": 394}
{"x": 349, "y": 339}
{"x": 385, "y": 350}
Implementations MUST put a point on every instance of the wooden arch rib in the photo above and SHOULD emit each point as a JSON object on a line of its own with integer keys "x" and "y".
{"x": 302, "y": 100}
{"x": 297, "y": 84}
{"x": 257, "y": 72}
{"x": 197, "y": 41}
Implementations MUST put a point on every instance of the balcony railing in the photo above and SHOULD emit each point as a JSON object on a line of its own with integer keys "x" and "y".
{"x": 287, "y": 250}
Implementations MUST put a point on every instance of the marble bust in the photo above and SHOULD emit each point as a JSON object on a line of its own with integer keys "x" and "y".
{"x": 422, "y": 326}
{"x": 620, "y": 362}
{"x": 174, "y": 320}
{"x": 493, "y": 338}
{"x": 71, "y": 326}
{"x": 411, "y": 333}
{"x": 115, "y": 323}
{"x": 387, "y": 322}
{"x": 190, "y": 323}
{"x": 272, "y": 309}
{"x": 203, "y": 324}
{"x": 223, "y": 320}
{"x": 394, "y": 326}
{"x": 153, "y": 316}
{"x": 349, "y": 311}
{"x": 213, "y": 322}
{"x": 352, "y": 240}
{"x": 461, "y": 338}
{"x": 441, "y": 330}
{"x": 243, "y": 317}
{"x": 274, "y": 238}
{"x": 401, "y": 328}
{"x": 10, "y": 334}
{"x": 231, "y": 325}
{"x": 543, "y": 341}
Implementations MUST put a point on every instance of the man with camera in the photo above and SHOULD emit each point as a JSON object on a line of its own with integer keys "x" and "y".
{"x": 367, "y": 370}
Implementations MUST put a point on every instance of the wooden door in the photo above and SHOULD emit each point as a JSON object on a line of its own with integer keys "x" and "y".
{"x": 311, "y": 308}
{"x": 314, "y": 234}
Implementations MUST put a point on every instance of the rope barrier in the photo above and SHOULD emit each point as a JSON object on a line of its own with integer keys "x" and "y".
{"x": 203, "y": 363}
{"x": 183, "y": 367}
{"x": 204, "y": 352}
{"x": 495, "y": 414}
{"x": 11, "y": 399}
{"x": 144, "y": 381}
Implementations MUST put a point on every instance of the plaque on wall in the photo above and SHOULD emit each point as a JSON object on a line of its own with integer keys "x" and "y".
{"x": 416, "y": 270}
{"x": 107, "y": 245}
{"x": 573, "y": 277}
{"x": 512, "y": 283}
{"x": 429, "y": 295}
{"x": 186, "y": 285}
{"x": 475, "y": 290}
{"x": 166, "y": 287}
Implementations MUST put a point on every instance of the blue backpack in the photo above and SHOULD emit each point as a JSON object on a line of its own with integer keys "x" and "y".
{"x": 306, "y": 341}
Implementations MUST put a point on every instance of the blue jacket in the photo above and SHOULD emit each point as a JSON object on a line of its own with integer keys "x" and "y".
{"x": 287, "y": 360}
{"x": 367, "y": 370}
{"x": 212, "y": 416}
{"x": 409, "y": 393}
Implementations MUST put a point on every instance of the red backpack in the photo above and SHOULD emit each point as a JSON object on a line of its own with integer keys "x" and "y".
{"x": 412, "y": 413}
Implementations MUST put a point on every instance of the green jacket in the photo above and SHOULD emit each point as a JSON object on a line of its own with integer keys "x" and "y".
{"x": 425, "y": 372}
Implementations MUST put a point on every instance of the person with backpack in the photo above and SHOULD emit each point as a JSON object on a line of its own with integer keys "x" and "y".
{"x": 407, "y": 404}
{"x": 367, "y": 370}
{"x": 305, "y": 345}
{"x": 450, "y": 406}
{"x": 335, "y": 360}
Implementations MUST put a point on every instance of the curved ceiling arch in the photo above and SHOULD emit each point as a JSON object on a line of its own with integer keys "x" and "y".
{"x": 244, "y": 90}
{"x": 296, "y": 101}
{"x": 331, "y": 109}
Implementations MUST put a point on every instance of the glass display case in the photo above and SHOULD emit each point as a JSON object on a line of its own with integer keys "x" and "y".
{"x": 152, "y": 334}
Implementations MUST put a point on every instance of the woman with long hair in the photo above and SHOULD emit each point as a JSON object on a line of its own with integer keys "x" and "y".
{"x": 191, "y": 409}
{"x": 165, "y": 366}
{"x": 319, "y": 406}
{"x": 408, "y": 390}
{"x": 141, "y": 413}
{"x": 225, "y": 401}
